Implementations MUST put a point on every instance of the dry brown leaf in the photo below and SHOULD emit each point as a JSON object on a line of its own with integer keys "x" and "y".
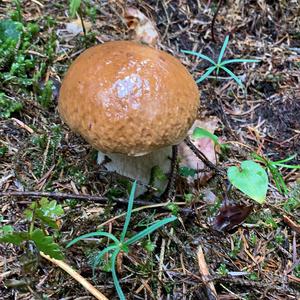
{"x": 205, "y": 145}
{"x": 142, "y": 28}
{"x": 74, "y": 28}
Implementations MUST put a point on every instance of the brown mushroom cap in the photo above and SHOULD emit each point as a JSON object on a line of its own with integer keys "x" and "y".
{"x": 123, "y": 97}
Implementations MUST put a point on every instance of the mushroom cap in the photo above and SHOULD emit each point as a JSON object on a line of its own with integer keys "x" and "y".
{"x": 124, "y": 97}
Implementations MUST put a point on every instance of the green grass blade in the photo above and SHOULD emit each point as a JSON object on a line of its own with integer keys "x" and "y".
{"x": 238, "y": 60}
{"x": 288, "y": 166}
{"x": 129, "y": 210}
{"x": 284, "y": 160}
{"x": 93, "y": 234}
{"x": 206, "y": 74}
{"x": 99, "y": 256}
{"x": 279, "y": 182}
{"x": 239, "y": 82}
{"x": 199, "y": 55}
{"x": 149, "y": 230}
{"x": 259, "y": 158}
{"x": 223, "y": 49}
{"x": 114, "y": 274}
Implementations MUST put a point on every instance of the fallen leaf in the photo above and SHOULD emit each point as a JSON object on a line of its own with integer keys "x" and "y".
{"x": 75, "y": 27}
{"x": 230, "y": 216}
{"x": 142, "y": 28}
{"x": 205, "y": 145}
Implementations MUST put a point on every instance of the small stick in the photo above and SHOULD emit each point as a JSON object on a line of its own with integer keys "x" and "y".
{"x": 64, "y": 196}
{"x": 98, "y": 199}
{"x": 170, "y": 189}
{"x": 214, "y": 20}
{"x": 160, "y": 267}
{"x": 76, "y": 276}
{"x": 204, "y": 272}
{"x": 291, "y": 224}
{"x": 202, "y": 157}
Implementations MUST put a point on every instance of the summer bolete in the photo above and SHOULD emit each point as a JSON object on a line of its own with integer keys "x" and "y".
{"x": 131, "y": 102}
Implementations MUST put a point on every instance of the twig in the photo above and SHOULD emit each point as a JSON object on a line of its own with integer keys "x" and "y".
{"x": 96, "y": 293}
{"x": 202, "y": 157}
{"x": 291, "y": 224}
{"x": 82, "y": 22}
{"x": 203, "y": 269}
{"x": 91, "y": 198}
{"x": 170, "y": 189}
{"x": 214, "y": 20}
{"x": 160, "y": 268}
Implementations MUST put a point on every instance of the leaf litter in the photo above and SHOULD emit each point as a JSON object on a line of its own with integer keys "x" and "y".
{"x": 260, "y": 259}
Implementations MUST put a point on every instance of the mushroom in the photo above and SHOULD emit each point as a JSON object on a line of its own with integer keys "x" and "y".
{"x": 132, "y": 103}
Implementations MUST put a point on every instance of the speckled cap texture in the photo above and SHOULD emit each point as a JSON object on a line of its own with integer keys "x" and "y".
{"x": 124, "y": 97}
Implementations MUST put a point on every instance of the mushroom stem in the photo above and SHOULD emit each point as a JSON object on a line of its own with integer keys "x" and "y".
{"x": 139, "y": 167}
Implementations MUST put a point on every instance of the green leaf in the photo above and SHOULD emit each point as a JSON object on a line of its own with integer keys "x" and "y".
{"x": 74, "y": 6}
{"x": 15, "y": 238}
{"x": 288, "y": 166}
{"x": 51, "y": 209}
{"x": 223, "y": 49}
{"x": 283, "y": 160}
{"x": 128, "y": 214}
{"x": 48, "y": 212}
{"x": 199, "y": 133}
{"x": 45, "y": 220}
{"x": 186, "y": 171}
{"x": 10, "y": 30}
{"x": 6, "y": 229}
{"x": 206, "y": 74}
{"x": 199, "y": 55}
{"x": 99, "y": 256}
{"x": 158, "y": 174}
{"x": 93, "y": 234}
{"x": 238, "y": 60}
{"x": 251, "y": 179}
{"x": 238, "y": 81}
{"x": 149, "y": 230}
{"x": 46, "y": 244}
{"x": 114, "y": 274}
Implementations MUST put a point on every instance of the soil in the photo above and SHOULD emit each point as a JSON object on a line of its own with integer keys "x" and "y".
{"x": 259, "y": 258}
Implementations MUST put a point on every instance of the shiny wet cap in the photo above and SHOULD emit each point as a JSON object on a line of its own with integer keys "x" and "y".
{"x": 124, "y": 97}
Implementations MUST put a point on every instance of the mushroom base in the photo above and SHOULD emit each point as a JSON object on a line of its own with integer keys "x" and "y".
{"x": 139, "y": 167}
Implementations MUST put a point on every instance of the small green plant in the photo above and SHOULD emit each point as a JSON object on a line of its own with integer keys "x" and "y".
{"x": 45, "y": 98}
{"x": 272, "y": 167}
{"x": 253, "y": 276}
{"x": 46, "y": 213}
{"x": 297, "y": 270}
{"x": 238, "y": 243}
{"x": 3, "y": 151}
{"x": 121, "y": 244}
{"x": 8, "y": 106}
{"x": 249, "y": 177}
{"x": 16, "y": 15}
{"x": 293, "y": 202}
{"x": 222, "y": 270}
{"x": 220, "y": 65}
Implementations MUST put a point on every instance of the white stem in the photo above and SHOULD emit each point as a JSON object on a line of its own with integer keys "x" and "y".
{"x": 139, "y": 167}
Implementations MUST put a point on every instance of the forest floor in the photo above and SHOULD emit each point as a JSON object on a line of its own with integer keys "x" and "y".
{"x": 255, "y": 258}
